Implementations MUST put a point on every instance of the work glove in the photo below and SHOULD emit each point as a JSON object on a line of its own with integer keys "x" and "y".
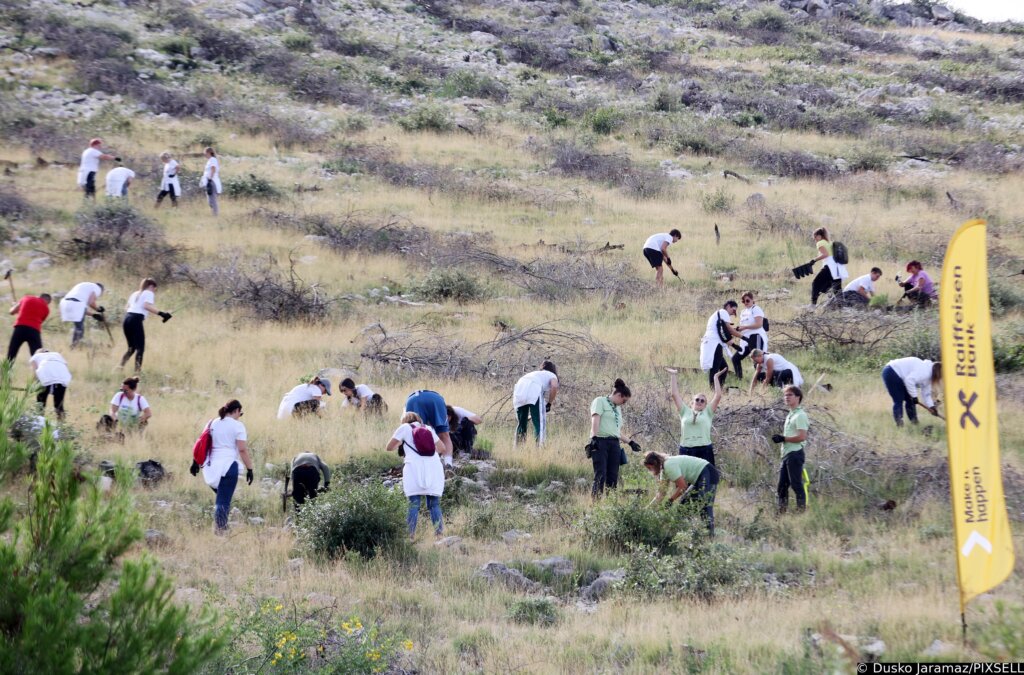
{"x": 668, "y": 261}
{"x": 248, "y": 476}
{"x": 675, "y": 273}
{"x": 934, "y": 410}
{"x": 913, "y": 399}
{"x": 117, "y": 159}
{"x": 101, "y": 309}
{"x": 547, "y": 407}
{"x": 778, "y": 438}
{"x": 166, "y": 316}
{"x": 634, "y": 446}
{"x": 194, "y": 469}
{"x": 812, "y": 261}
{"x": 591, "y": 447}
{"x": 99, "y": 317}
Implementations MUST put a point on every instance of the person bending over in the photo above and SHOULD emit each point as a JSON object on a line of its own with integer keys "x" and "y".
{"x": 532, "y": 398}
{"x": 306, "y": 470}
{"x": 29, "y": 314}
{"x": 909, "y": 382}
{"x": 656, "y": 252}
{"x": 304, "y": 399}
{"x": 773, "y": 370}
{"x": 361, "y": 397}
{"x": 858, "y": 293}
{"x": 685, "y": 480}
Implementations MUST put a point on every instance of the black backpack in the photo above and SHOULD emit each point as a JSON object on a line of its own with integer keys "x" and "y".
{"x": 840, "y": 254}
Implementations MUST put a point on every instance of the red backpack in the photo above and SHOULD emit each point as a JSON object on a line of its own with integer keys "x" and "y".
{"x": 423, "y": 441}
{"x": 204, "y": 444}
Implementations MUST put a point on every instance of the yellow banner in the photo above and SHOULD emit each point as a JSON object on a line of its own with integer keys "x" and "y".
{"x": 984, "y": 549}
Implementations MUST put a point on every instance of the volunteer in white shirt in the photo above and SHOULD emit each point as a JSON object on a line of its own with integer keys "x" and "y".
{"x": 754, "y": 329}
{"x": 80, "y": 301}
{"x": 140, "y": 303}
{"x": 90, "y": 166}
{"x": 714, "y": 345}
{"x": 229, "y": 445}
{"x": 773, "y": 370}
{"x": 362, "y": 397}
{"x": 656, "y": 252}
{"x": 169, "y": 183}
{"x": 211, "y": 179}
{"x": 532, "y": 398}
{"x": 52, "y": 373}
{"x": 129, "y": 408}
{"x": 118, "y": 181}
{"x": 860, "y": 290}
{"x": 910, "y": 382}
{"x": 304, "y": 399}
{"x": 422, "y": 474}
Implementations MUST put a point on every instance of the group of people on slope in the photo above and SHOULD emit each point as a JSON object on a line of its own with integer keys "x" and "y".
{"x": 119, "y": 179}
{"x": 307, "y": 398}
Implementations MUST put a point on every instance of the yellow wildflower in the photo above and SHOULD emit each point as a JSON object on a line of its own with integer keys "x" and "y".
{"x": 408, "y": 645}
{"x": 279, "y": 607}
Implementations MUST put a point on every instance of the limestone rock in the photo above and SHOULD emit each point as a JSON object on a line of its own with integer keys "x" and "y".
{"x": 601, "y": 586}
{"x": 512, "y": 536}
{"x": 513, "y": 579}
{"x": 557, "y": 565}
{"x": 156, "y": 539}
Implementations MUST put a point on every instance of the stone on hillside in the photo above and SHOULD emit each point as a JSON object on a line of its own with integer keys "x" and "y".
{"x": 152, "y": 56}
{"x": 601, "y": 586}
{"x": 156, "y": 539}
{"x": 321, "y": 600}
{"x": 513, "y": 579}
{"x": 755, "y": 201}
{"x": 942, "y": 13}
{"x": 512, "y": 536}
{"x": 559, "y": 566}
{"x": 481, "y": 38}
{"x": 819, "y": 8}
{"x": 555, "y": 487}
{"x": 256, "y": 520}
{"x": 39, "y": 264}
{"x": 938, "y": 648}
{"x": 925, "y": 46}
{"x": 448, "y": 542}
{"x": 295, "y": 565}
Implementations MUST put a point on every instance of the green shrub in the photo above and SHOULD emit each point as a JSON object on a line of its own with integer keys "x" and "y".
{"x": 666, "y": 100}
{"x": 703, "y": 569}
{"x": 604, "y": 121}
{"x": 771, "y": 19}
{"x": 868, "y": 158}
{"x": 203, "y": 139}
{"x": 441, "y": 285}
{"x": 298, "y": 41}
{"x": 1002, "y": 637}
{"x": 621, "y": 521}
{"x": 473, "y": 85}
{"x": 508, "y": 475}
{"x": 489, "y": 521}
{"x": 427, "y": 117}
{"x": 718, "y": 201}
{"x": 921, "y": 340}
{"x": 1008, "y": 354}
{"x": 556, "y": 118}
{"x": 69, "y": 603}
{"x": 176, "y": 45}
{"x": 366, "y": 519}
{"x": 251, "y": 186}
{"x": 534, "y": 611}
{"x": 1003, "y": 297}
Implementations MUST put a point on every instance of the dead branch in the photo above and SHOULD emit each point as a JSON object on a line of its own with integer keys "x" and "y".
{"x": 729, "y": 172}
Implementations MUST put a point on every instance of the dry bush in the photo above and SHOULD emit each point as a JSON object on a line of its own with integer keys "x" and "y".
{"x": 791, "y": 163}
{"x": 81, "y": 40}
{"x": 424, "y": 349}
{"x": 14, "y": 206}
{"x": 355, "y": 231}
{"x": 260, "y": 290}
{"x": 115, "y": 232}
{"x": 844, "y": 328}
{"x": 574, "y": 158}
{"x": 773, "y": 221}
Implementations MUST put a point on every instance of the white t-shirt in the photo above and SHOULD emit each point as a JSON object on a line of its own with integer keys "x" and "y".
{"x": 864, "y": 282}
{"x": 779, "y": 363}
{"x": 420, "y": 475}
{"x": 917, "y": 377}
{"x": 130, "y": 407}
{"x": 462, "y": 413}
{"x": 116, "y": 179}
{"x": 655, "y": 241}
{"x": 51, "y": 368}
{"x": 711, "y": 332}
{"x": 747, "y": 317}
{"x": 211, "y": 163}
{"x": 137, "y": 302}
{"x": 533, "y": 387}
{"x": 82, "y": 291}
{"x": 303, "y": 392}
{"x": 170, "y": 169}
{"x": 72, "y": 306}
{"x": 224, "y": 453}
{"x": 362, "y": 391}
{"x": 90, "y": 160}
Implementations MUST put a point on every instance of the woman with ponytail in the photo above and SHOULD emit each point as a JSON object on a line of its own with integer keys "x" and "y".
{"x": 605, "y": 434}
{"x": 304, "y": 399}
{"x": 830, "y": 276}
{"x": 228, "y": 447}
{"x": 685, "y": 479}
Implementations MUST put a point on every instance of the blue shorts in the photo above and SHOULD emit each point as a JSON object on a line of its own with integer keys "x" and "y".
{"x": 430, "y": 406}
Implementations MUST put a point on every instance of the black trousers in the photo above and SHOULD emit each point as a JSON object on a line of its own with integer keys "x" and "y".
{"x": 135, "y": 334}
{"x": 20, "y": 336}
{"x": 58, "y": 391}
{"x": 90, "y": 185}
{"x": 852, "y": 299}
{"x": 780, "y": 378}
{"x": 753, "y": 342}
{"x": 705, "y": 452}
{"x": 704, "y": 496}
{"x": 164, "y": 193}
{"x": 606, "y": 460}
{"x": 717, "y": 364}
{"x": 919, "y": 297}
{"x": 305, "y": 481}
{"x": 303, "y": 408}
{"x": 823, "y": 283}
{"x": 791, "y": 476}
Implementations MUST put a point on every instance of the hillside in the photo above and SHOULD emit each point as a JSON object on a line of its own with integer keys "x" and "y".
{"x": 441, "y": 195}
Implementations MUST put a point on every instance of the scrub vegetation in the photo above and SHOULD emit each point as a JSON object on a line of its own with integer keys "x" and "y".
{"x": 442, "y": 195}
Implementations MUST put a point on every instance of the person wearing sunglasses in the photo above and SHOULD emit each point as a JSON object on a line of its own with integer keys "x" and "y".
{"x": 754, "y": 329}
{"x": 696, "y": 420}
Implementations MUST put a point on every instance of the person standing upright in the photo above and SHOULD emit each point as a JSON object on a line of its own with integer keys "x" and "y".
{"x": 754, "y": 329}
{"x": 656, "y": 252}
{"x": 211, "y": 179}
{"x": 140, "y": 303}
{"x": 90, "y": 166}
{"x": 695, "y": 422}
{"x": 831, "y": 275}
{"x": 29, "y": 314}
{"x": 80, "y": 301}
{"x": 229, "y": 446}
{"x": 715, "y": 344}
{"x": 605, "y": 435}
{"x": 792, "y": 441}
{"x": 169, "y": 183}
{"x": 532, "y": 398}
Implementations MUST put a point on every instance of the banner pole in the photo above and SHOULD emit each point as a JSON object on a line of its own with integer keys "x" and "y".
{"x": 963, "y": 627}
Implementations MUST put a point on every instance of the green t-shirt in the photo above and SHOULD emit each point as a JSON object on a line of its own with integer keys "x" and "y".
{"x": 795, "y": 421}
{"x": 696, "y": 427}
{"x": 686, "y": 466}
{"x": 610, "y": 423}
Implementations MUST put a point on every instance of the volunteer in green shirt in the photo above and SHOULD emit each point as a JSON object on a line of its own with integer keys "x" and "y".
{"x": 793, "y": 438}
{"x": 690, "y": 479}
{"x": 605, "y": 434}
{"x": 696, "y": 421}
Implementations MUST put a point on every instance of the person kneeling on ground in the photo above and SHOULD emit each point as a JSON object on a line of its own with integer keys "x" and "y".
{"x": 306, "y": 470}
{"x": 920, "y": 287}
{"x": 305, "y": 399}
{"x": 773, "y": 370}
{"x": 423, "y": 473}
{"x": 462, "y": 427}
{"x": 792, "y": 441}
{"x": 694, "y": 481}
{"x": 907, "y": 379}
{"x": 858, "y": 293}
{"x": 129, "y": 409}
{"x": 361, "y": 397}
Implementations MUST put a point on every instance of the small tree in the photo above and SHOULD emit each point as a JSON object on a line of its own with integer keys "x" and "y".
{"x": 65, "y": 604}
